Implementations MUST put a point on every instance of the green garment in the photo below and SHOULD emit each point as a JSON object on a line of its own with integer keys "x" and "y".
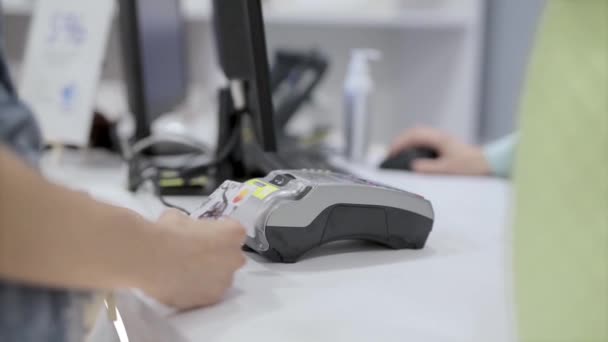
{"x": 561, "y": 180}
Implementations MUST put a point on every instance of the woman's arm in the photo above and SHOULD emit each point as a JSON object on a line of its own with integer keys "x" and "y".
{"x": 456, "y": 157}
{"x": 59, "y": 238}
{"x": 54, "y": 237}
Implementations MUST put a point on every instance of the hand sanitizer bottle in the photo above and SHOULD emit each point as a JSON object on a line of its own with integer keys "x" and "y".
{"x": 358, "y": 91}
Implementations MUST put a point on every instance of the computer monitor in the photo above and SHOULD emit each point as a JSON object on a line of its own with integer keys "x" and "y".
{"x": 154, "y": 59}
{"x": 241, "y": 47}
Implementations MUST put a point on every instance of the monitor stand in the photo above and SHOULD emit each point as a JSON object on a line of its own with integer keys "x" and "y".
{"x": 238, "y": 157}
{"x": 230, "y": 159}
{"x": 230, "y": 136}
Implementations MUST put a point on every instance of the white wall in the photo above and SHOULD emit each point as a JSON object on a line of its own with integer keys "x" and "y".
{"x": 510, "y": 31}
{"x": 430, "y": 72}
{"x": 417, "y": 81}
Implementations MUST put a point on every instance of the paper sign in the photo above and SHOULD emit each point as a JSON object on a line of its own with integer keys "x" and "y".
{"x": 62, "y": 67}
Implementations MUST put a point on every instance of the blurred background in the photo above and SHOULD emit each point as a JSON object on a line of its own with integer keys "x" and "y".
{"x": 453, "y": 64}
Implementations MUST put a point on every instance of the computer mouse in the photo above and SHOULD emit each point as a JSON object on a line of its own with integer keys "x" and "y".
{"x": 404, "y": 159}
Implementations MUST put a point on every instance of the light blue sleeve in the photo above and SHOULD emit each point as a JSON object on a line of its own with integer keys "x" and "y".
{"x": 501, "y": 155}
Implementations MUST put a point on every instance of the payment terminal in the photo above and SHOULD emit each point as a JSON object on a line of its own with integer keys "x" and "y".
{"x": 289, "y": 213}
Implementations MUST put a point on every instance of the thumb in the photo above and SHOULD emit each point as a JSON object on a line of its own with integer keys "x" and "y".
{"x": 172, "y": 215}
{"x": 430, "y": 166}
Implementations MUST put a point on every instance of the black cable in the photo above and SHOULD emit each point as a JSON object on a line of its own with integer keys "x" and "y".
{"x": 162, "y": 200}
{"x": 221, "y": 157}
{"x": 194, "y": 170}
{"x": 186, "y": 172}
{"x": 137, "y": 166}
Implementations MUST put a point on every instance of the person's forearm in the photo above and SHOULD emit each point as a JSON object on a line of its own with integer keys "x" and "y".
{"x": 55, "y": 237}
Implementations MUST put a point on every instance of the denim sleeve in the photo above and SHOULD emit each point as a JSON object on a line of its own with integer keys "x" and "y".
{"x": 18, "y": 128}
{"x": 27, "y": 313}
{"x": 31, "y": 314}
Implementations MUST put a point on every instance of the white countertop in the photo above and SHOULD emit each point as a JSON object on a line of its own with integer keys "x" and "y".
{"x": 453, "y": 290}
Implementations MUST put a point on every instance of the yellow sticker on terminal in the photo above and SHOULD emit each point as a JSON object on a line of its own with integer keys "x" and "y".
{"x": 171, "y": 183}
{"x": 263, "y": 189}
{"x": 264, "y": 192}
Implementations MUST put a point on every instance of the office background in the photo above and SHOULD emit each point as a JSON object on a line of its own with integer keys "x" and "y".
{"x": 510, "y": 27}
{"x": 455, "y": 64}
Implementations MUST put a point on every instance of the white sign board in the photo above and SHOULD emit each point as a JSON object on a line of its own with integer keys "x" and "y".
{"x": 62, "y": 67}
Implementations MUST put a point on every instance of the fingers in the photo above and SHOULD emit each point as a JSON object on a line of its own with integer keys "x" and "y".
{"x": 430, "y": 166}
{"x": 239, "y": 234}
{"x": 173, "y": 220}
{"x": 419, "y": 137}
{"x": 212, "y": 293}
{"x": 216, "y": 293}
{"x": 240, "y": 260}
{"x": 207, "y": 252}
{"x": 231, "y": 231}
{"x": 234, "y": 236}
{"x": 234, "y": 227}
{"x": 172, "y": 216}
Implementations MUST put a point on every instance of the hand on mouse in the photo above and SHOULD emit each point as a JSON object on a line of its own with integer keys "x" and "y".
{"x": 455, "y": 156}
{"x": 196, "y": 265}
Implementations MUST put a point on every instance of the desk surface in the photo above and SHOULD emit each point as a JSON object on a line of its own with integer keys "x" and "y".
{"x": 453, "y": 290}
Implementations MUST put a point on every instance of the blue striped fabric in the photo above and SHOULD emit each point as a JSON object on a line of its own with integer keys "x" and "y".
{"x": 27, "y": 313}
